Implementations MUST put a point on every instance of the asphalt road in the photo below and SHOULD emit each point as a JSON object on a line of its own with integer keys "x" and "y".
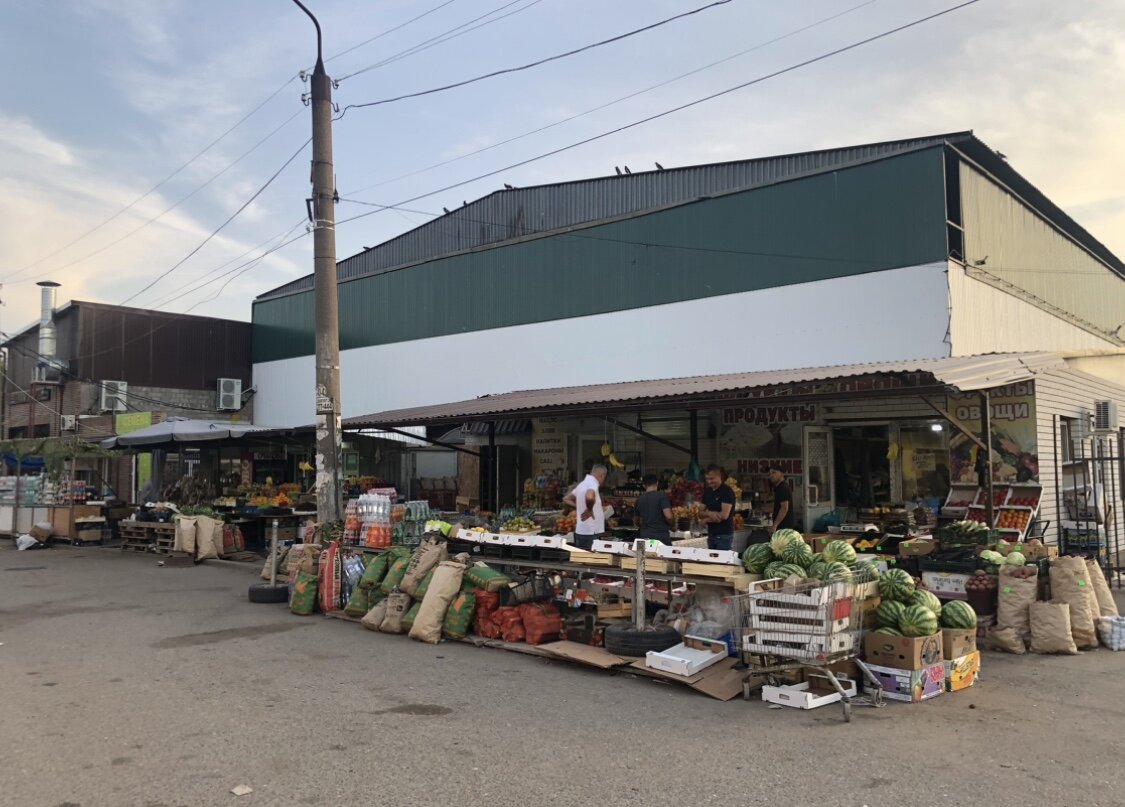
{"x": 122, "y": 683}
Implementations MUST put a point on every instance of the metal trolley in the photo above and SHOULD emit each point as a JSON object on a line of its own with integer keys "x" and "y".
{"x": 809, "y": 624}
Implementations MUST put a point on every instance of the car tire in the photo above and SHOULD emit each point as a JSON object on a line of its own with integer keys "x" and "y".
{"x": 264, "y": 592}
{"x": 626, "y": 640}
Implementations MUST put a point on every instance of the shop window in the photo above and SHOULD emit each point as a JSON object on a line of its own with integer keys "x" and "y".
{"x": 1066, "y": 439}
{"x": 42, "y": 430}
{"x": 924, "y": 460}
{"x": 17, "y": 433}
{"x": 862, "y": 466}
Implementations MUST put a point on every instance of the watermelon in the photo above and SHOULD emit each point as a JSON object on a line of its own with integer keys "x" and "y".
{"x": 816, "y": 569}
{"x": 757, "y": 557}
{"x": 839, "y": 552}
{"x": 927, "y": 600}
{"x": 773, "y": 570}
{"x": 787, "y": 570}
{"x": 896, "y": 584}
{"x": 888, "y": 631}
{"x": 918, "y": 620}
{"x": 888, "y": 614}
{"x": 836, "y": 571}
{"x": 958, "y": 614}
{"x": 797, "y": 552}
{"x": 782, "y": 539}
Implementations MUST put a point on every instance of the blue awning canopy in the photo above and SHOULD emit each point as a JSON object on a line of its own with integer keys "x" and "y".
{"x": 27, "y": 465}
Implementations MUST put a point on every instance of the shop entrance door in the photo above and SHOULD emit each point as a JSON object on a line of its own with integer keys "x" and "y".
{"x": 819, "y": 498}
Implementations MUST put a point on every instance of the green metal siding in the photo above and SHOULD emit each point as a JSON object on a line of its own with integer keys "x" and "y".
{"x": 877, "y": 216}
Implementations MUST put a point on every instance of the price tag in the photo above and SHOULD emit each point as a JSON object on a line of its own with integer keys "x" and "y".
{"x": 1007, "y": 589}
{"x": 1081, "y": 583}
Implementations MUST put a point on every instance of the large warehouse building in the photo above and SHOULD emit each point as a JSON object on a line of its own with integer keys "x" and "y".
{"x": 924, "y": 248}
{"x": 664, "y": 313}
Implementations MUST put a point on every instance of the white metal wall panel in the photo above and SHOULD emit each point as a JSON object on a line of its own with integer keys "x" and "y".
{"x": 985, "y": 319}
{"x": 1069, "y": 394}
{"x": 1023, "y": 250}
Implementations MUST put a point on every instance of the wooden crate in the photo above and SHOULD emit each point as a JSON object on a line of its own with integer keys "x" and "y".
{"x": 654, "y": 565}
{"x": 720, "y": 570}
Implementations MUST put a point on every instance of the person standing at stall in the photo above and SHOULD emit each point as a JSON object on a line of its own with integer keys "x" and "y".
{"x": 782, "y": 500}
{"x": 718, "y": 498}
{"x": 654, "y": 512}
{"x": 586, "y": 498}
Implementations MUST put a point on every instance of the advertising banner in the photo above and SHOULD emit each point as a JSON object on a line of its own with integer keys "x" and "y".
{"x": 1015, "y": 445}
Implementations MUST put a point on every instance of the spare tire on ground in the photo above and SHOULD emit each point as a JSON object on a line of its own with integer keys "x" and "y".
{"x": 264, "y": 592}
{"x": 626, "y": 640}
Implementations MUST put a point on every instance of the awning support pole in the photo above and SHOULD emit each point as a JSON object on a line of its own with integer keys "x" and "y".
{"x": 957, "y": 424}
{"x": 694, "y": 435}
{"x": 493, "y": 469}
{"x": 986, "y": 433}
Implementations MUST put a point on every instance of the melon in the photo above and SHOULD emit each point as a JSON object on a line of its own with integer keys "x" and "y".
{"x": 896, "y": 584}
{"x": 889, "y": 613}
{"x": 839, "y": 552}
{"x": 836, "y": 572}
{"x": 888, "y": 631}
{"x": 797, "y": 552}
{"x": 927, "y": 600}
{"x": 918, "y": 620}
{"x": 816, "y": 569}
{"x": 782, "y": 539}
{"x": 958, "y": 615}
{"x": 757, "y": 557}
{"x": 787, "y": 570}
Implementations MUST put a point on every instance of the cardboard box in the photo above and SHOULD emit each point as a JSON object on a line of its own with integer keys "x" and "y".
{"x": 1030, "y": 551}
{"x": 814, "y": 693}
{"x": 819, "y": 541}
{"x": 917, "y": 547}
{"x": 961, "y": 673}
{"x": 40, "y": 534}
{"x": 611, "y": 610}
{"x": 956, "y": 643}
{"x": 867, "y": 612}
{"x": 949, "y": 585}
{"x": 910, "y": 686}
{"x": 742, "y": 581}
{"x": 902, "y": 652}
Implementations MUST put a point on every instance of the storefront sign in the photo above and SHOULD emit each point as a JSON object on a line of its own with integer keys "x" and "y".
{"x": 1015, "y": 445}
{"x": 132, "y": 422}
{"x": 761, "y": 467}
{"x": 548, "y": 447}
{"x": 767, "y": 415}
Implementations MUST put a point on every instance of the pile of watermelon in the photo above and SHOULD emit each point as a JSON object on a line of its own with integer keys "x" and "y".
{"x": 787, "y": 555}
{"x": 906, "y": 610}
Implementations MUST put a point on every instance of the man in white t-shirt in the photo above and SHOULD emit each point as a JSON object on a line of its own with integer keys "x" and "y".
{"x": 586, "y": 498}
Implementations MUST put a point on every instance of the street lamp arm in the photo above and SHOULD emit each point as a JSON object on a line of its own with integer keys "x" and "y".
{"x": 319, "y": 50}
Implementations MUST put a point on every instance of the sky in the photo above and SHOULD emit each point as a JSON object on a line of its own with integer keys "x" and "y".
{"x": 111, "y": 179}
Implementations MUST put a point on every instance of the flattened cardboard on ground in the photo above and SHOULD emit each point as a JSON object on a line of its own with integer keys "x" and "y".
{"x": 585, "y": 654}
{"x": 720, "y": 681}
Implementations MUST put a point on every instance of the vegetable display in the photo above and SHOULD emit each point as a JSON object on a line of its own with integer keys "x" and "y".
{"x": 918, "y": 620}
{"x": 959, "y": 615}
{"x": 896, "y": 584}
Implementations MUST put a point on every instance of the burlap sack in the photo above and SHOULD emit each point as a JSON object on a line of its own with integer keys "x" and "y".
{"x": 1013, "y": 603}
{"x": 1070, "y": 583}
{"x": 428, "y": 555}
{"x": 1107, "y": 606}
{"x": 1006, "y": 640}
{"x": 398, "y": 604}
{"x": 373, "y": 619}
{"x": 185, "y": 535}
{"x": 1050, "y": 628}
{"x": 280, "y": 561}
{"x": 443, "y": 588}
{"x": 205, "y": 547}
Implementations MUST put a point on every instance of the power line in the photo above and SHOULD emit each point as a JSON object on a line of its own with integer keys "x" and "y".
{"x": 608, "y": 104}
{"x": 168, "y": 209}
{"x": 445, "y": 36}
{"x": 679, "y": 108}
{"x": 400, "y": 26}
{"x": 155, "y": 187}
{"x": 220, "y": 228}
{"x": 539, "y": 62}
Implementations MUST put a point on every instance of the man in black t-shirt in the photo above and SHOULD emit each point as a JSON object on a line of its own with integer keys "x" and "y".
{"x": 783, "y": 518}
{"x": 718, "y": 498}
{"x": 654, "y": 512}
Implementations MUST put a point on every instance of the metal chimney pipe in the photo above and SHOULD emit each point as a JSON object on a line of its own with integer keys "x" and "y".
{"x": 47, "y": 339}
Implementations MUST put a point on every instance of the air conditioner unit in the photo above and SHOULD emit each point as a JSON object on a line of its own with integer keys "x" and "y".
{"x": 68, "y": 423}
{"x": 1105, "y": 417}
{"x": 229, "y": 394}
{"x": 114, "y": 396}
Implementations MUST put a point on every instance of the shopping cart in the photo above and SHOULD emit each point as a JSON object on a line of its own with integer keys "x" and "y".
{"x": 809, "y": 624}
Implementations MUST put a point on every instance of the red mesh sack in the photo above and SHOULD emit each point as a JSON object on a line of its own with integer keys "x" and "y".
{"x": 541, "y": 621}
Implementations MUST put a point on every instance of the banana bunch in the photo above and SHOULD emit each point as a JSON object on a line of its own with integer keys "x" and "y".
{"x": 611, "y": 458}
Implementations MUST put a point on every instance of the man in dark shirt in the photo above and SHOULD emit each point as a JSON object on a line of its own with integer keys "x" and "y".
{"x": 782, "y": 500}
{"x": 718, "y": 498}
{"x": 654, "y": 511}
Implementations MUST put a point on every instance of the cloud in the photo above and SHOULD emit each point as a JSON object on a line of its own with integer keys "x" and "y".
{"x": 21, "y": 135}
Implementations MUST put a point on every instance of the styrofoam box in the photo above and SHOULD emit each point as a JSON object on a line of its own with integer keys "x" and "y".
{"x": 696, "y": 554}
{"x": 684, "y": 660}
{"x": 613, "y": 548}
{"x": 520, "y": 539}
{"x": 549, "y": 541}
{"x": 798, "y": 695}
{"x": 494, "y": 538}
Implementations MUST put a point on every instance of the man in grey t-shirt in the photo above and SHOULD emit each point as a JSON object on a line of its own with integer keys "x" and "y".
{"x": 653, "y": 512}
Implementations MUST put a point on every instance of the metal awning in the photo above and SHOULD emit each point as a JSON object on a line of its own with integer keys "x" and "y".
{"x": 966, "y": 374}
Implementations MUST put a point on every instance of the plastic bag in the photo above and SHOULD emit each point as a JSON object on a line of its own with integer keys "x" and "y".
{"x": 1111, "y": 630}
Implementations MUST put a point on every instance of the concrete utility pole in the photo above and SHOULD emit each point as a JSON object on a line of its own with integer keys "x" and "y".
{"x": 328, "y": 442}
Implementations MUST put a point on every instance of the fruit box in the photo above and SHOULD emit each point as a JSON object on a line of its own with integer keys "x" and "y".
{"x": 910, "y": 686}
{"x": 956, "y": 643}
{"x": 950, "y": 585}
{"x": 902, "y": 652}
{"x": 961, "y": 673}
{"x": 689, "y": 657}
{"x": 815, "y": 692}
{"x": 1030, "y": 551}
{"x": 917, "y": 547}
{"x": 697, "y": 554}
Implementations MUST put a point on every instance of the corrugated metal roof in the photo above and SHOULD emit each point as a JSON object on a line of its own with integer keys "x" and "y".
{"x": 512, "y": 214}
{"x": 967, "y": 374}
